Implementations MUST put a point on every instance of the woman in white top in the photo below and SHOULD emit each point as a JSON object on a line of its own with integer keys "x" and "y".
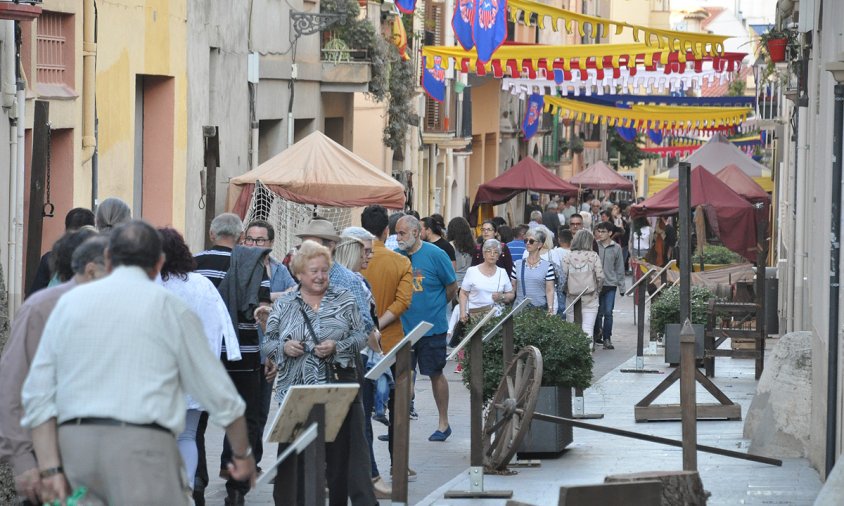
{"x": 486, "y": 287}
{"x": 640, "y": 238}
{"x": 202, "y": 297}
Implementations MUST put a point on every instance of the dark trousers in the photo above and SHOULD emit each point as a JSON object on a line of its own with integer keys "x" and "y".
{"x": 606, "y": 305}
{"x": 368, "y": 401}
{"x": 201, "y": 477}
{"x": 248, "y": 385}
{"x": 263, "y": 415}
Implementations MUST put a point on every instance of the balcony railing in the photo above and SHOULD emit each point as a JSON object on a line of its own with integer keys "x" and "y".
{"x": 336, "y": 50}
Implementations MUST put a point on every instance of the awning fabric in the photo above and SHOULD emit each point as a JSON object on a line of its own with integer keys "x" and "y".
{"x": 316, "y": 170}
{"x": 599, "y": 176}
{"x": 743, "y": 184}
{"x": 735, "y": 217}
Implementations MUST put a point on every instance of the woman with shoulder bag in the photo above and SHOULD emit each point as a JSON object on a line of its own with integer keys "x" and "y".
{"x": 314, "y": 334}
{"x": 584, "y": 273}
{"x": 485, "y": 287}
{"x": 533, "y": 276}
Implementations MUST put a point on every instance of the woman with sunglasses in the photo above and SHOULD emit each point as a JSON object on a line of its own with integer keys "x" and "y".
{"x": 488, "y": 231}
{"x": 533, "y": 276}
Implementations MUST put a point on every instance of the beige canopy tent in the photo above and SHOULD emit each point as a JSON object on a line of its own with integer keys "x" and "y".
{"x": 317, "y": 171}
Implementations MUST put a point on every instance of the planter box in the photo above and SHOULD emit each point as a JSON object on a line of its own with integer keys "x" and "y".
{"x": 672, "y": 342}
{"x": 547, "y": 437}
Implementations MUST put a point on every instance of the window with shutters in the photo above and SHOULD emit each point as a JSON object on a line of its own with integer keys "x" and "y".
{"x": 54, "y": 60}
{"x": 436, "y": 117}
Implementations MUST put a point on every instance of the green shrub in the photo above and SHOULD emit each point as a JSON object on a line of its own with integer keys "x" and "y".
{"x": 717, "y": 255}
{"x": 567, "y": 361}
{"x": 665, "y": 308}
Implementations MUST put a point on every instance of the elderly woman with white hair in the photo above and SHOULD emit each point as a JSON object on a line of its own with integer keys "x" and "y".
{"x": 486, "y": 287}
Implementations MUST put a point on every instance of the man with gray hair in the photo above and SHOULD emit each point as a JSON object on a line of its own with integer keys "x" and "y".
{"x": 81, "y": 251}
{"x": 238, "y": 273}
{"x": 434, "y": 285}
{"x": 108, "y": 377}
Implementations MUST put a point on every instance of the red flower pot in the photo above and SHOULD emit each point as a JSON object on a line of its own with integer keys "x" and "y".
{"x": 776, "y": 49}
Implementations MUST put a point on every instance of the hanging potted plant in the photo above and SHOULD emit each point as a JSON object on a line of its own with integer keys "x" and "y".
{"x": 776, "y": 42}
{"x": 576, "y": 145}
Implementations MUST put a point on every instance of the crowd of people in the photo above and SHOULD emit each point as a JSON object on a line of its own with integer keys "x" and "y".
{"x": 129, "y": 344}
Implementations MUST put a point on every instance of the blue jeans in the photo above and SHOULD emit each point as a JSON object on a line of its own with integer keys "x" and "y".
{"x": 561, "y": 304}
{"x": 606, "y": 304}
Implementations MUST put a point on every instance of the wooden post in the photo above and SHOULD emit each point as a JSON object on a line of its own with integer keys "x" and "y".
{"x": 507, "y": 342}
{"x": 641, "y": 294}
{"x": 685, "y": 238}
{"x": 37, "y": 176}
{"x": 315, "y": 459}
{"x": 688, "y": 400}
{"x": 401, "y": 430}
{"x": 212, "y": 161}
{"x": 476, "y": 399}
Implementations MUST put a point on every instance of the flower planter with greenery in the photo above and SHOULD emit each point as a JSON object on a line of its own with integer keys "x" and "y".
{"x": 779, "y": 44}
{"x": 665, "y": 308}
{"x": 714, "y": 256}
{"x": 566, "y": 359}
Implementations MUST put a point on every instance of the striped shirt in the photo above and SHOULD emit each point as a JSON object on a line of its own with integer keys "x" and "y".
{"x": 214, "y": 264}
{"x": 530, "y": 283}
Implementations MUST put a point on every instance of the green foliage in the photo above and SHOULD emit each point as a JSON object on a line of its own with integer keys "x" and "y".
{"x": 567, "y": 361}
{"x": 358, "y": 33}
{"x": 713, "y": 254}
{"x": 665, "y": 308}
{"x": 400, "y": 109}
{"x": 736, "y": 88}
{"x": 576, "y": 145}
{"x": 630, "y": 152}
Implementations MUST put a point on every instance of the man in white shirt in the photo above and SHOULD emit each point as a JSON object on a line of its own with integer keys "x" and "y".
{"x": 111, "y": 369}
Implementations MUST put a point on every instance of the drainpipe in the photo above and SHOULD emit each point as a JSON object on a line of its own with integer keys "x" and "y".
{"x": 16, "y": 187}
{"x": 834, "y": 279}
{"x": 89, "y": 69}
{"x": 9, "y": 103}
{"x": 800, "y": 224}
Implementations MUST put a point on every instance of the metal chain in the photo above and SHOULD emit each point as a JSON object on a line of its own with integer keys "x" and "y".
{"x": 48, "y": 209}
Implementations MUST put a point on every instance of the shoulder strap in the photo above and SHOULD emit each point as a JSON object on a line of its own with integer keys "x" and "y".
{"x": 524, "y": 291}
{"x": 308, "y": 321}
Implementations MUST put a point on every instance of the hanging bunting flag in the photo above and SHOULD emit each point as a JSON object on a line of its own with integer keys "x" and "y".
{"x": 535, "y": 104}
{"x": 406, "y": 6}
{"x": 626, "y": 133}
{"x": 433, "y": 79}
{"x": 399, "y": 37}
{"x": 655, "y": 135}
{"x": 463, "y": 22}
{"x": 490, "y": 28}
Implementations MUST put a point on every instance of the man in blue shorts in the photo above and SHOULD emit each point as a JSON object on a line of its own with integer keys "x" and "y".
{"x": 434, "y": 284}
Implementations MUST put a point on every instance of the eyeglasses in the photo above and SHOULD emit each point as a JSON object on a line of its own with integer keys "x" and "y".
{"x": 487, "y": 229}
{"x": 531, "y": 241}
{"x": 367, "y": 251}
{"x": 258, "y": 241}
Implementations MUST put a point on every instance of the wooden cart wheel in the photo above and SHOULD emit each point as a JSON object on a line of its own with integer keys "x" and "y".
{"x": 511, "y": 409}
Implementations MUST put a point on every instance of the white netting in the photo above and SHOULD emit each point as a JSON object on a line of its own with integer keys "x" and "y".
{"x": 290, "y": 218}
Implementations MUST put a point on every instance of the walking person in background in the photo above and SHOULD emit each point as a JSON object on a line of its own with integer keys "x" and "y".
{"x": 517, "y": 245}
{"x": 612, "y": 263}
{"x": 110, "y": 213}
{"x": 489, "y": 231}
{"x": 433, "y": 232}
{"x": 556, "y": 257}
{"x": 584, "y": 277}
{"x": 82, "y": 253}
{"x": 460, "y": 236}
{"x": 75, "y": 219}
{"x": 533, "y": 276}
{"x": 640, "y": 239}
{"x": 198, "y": 293}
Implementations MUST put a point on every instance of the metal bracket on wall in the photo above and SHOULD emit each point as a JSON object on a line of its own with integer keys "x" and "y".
{"x": 306, "y": 23}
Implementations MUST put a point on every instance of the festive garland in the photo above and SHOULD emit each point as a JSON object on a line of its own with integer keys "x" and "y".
{"x": 571, "y": 60}
{"x": 660, "y": 117}
{"x": 698, "y": 43}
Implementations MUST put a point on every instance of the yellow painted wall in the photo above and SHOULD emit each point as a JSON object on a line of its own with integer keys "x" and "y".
{"x": 483, "y": 164}
{"x": 636, "y": 12}
{"x": 139, "y": 38}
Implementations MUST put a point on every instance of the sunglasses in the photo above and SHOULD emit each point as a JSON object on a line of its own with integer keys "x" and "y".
{"x": 531, "y": 241}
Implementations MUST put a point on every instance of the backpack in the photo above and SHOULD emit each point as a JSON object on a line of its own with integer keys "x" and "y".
{"x": 581, "y": 276}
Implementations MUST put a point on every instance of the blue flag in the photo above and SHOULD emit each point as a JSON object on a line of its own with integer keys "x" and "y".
{"x": 463, "y": 21}
{"x": 532, "y": 115}
{"x": 626, "y": 133}
{"x": 433, "y": 80}
{"x": 655, "y": 135}
{"x": 406, "y": 6}
{"x": 490, "y": 30}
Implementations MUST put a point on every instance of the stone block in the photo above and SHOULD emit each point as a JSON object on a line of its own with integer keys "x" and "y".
{"x": 779, "y": 419}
